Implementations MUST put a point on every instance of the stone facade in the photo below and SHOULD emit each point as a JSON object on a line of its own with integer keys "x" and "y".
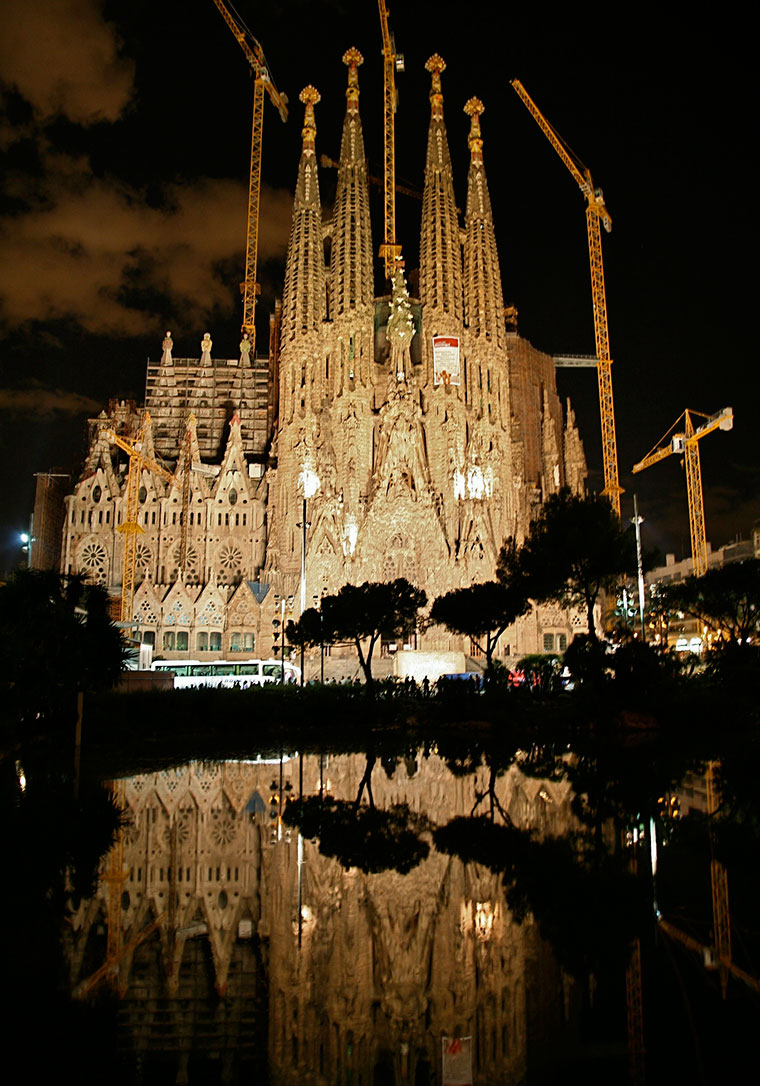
{"x": 410, "y": 436}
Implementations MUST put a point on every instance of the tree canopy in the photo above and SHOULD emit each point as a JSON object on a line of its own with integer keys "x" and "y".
{"x": 365, "y": 613}
{"x": 576, "y": 548}
{"x": 56, "y": 637}
{"x": 726, "y": 600}
{"x": 482, "y": 612}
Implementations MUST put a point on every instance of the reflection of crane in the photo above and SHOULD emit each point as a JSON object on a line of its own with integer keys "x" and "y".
{"x": 130, "y": 526}
{"x": 390, "y": 251}
{"x": 114, "y": 877}
{"x": 686, "y": 442}
{"x": 262, "y": 81}
{"x": 596, "y": 212}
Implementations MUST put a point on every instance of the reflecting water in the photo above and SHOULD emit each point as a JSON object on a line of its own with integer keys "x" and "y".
{"x": 261, "y": 952}
{"x": 420, "y": 917}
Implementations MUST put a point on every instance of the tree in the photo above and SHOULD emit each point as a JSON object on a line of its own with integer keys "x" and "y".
{"x": 56, "y": 638}
{"x": 482, "y": 612}
{"x": 726, "y": 600}
{"x": 576, "y": 548}
{"x": 307, "y": 631}
{"x": 365, "y": 613}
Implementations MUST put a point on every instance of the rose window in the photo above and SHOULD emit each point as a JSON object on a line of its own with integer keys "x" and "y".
{"x": 230, "y": 558}
{"x": 92, "y": 559}
{"x": 191, "y": 562}
{"x": 223, "y": 827}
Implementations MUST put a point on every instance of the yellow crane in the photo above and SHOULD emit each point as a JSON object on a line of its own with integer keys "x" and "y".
{"x": 390, "y": 250}
{"x": 130, "y": 526}
{"x": 262, "y": 82}
{"x": 685, "y": 442}
{"x": 596, "y": 213}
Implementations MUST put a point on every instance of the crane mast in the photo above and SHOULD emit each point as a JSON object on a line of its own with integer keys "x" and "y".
{"x": 685, "y": 442}
{"x": 390, "y": 250}
{"x": 596, "y": 214}
{"x": 262, "y": 82}
{"x": 130, "y": 526}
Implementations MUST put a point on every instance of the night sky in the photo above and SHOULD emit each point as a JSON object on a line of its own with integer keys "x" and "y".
{"x": 125, "y": 132}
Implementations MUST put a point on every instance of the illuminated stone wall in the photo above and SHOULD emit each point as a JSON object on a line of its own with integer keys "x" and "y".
{"x": 380, "y": 966}
{"x": 414, "y": 468}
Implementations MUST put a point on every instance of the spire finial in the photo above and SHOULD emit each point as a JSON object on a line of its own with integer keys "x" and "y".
{"x": 435, "y": 65}
{"x": 309, "y": 96}
{"x": 474, "y": 107}
{"x": 352, "y": 58}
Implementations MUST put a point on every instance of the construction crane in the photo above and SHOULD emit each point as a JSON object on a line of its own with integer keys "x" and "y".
{"x": 130, "y": 526}
{"x": 596, "y": 213}
{"x": 390, "y": 250}
{"x": 685, "y": 442}
{"x": 262, "y": 82}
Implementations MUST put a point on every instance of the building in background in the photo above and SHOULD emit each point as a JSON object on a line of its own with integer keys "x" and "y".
{"x": 381, "y": 437}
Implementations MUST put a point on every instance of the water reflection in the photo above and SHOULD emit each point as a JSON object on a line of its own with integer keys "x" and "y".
{"x": 245, "y": 950}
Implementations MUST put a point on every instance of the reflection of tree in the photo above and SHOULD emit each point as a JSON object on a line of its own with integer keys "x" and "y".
{"x": 365, "y": 837}
{"x": 362, "y": 836}
{"x": 586, "y": 903}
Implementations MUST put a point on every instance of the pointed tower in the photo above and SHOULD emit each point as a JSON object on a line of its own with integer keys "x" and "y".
{"x": 442, "y": 312}
{"x": 351, "y": 271}
{"x": 345, "y": 460}
{"x": 489, "y": 476}
{"x": 303, "y": 308}
{"x": 440, "y": 248}
{"x": 302, "y": 364}
{"x": 484, "y": 300}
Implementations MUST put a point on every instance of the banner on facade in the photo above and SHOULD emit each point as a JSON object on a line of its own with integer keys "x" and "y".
{"x": 457, "y": 1061}
{"x": 446, "y": 360}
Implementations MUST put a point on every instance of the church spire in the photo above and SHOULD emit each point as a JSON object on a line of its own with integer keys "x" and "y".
{"x": 440, "y": 252}
{"x": 484, "y": 300}
{"x": 351, "y": 280}
{"x": 303, "y": 307}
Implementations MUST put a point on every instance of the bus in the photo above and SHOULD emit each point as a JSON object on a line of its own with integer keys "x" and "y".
{"x": 230, "y": 674}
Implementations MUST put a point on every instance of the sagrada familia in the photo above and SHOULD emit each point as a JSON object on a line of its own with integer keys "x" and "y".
{"x": 380, "y": 437}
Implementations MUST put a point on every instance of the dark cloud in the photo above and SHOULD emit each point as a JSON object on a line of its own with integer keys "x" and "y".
{"x": 38, "y": 400}
{"x": 77, "y": 254}
{"x": 64, "y": 59}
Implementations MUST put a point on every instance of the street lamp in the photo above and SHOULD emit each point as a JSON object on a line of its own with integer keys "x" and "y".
{"x": 317, "y": 600}
{"x": 637, "y": 521}
{"x": 27, "y": 539}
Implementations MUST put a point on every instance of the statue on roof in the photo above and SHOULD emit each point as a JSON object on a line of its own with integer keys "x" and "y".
{"x": 167, "y": 345}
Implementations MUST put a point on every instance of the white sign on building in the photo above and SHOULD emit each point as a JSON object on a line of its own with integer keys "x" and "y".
{"x": 457, "y": 1061}
{"x": 446, "y": 360}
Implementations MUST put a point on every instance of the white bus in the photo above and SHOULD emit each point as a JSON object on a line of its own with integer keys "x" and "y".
{"x": 230, "y": 674}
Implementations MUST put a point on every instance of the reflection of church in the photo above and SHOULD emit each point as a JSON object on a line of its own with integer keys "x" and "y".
{"x": 428, "y": 429}
{"x": 379, "y": 967}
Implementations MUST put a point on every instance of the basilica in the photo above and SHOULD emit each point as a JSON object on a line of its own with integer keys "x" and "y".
{"x": 379, "y": 437}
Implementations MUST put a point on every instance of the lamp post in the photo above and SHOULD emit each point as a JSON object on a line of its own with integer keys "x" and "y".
{"x": 308, "y": 481}
{"x": 278, "y": 629}
{"x": 637, "y": 521}
{"x": 321, "y": 638}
